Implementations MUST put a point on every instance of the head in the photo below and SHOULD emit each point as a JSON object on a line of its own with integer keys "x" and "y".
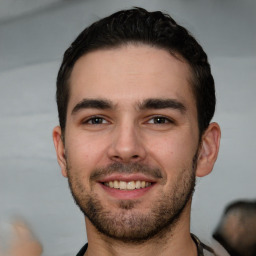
{"x": 237, "y": 228}
{"x": 135, "y": 98}
{"x": 138, "y": 26}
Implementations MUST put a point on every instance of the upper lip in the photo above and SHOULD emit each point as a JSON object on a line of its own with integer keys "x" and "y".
{"x": 127, "y": 178}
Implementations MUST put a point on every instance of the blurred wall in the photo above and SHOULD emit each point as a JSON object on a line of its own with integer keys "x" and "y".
{"x": 33, "y": 37}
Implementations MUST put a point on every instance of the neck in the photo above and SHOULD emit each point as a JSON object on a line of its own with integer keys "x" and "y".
{"x": 174, "y": 241}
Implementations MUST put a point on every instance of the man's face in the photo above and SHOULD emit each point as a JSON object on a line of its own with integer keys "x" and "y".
{"x": 131, "y": 140}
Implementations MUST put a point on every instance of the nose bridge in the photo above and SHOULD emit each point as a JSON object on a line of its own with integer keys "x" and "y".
{"x": 127, "y": 144}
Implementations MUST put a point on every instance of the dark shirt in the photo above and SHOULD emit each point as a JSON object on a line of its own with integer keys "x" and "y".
{"x": 202, "y": 249}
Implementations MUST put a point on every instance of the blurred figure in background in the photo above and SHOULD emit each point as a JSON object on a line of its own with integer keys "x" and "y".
{"x": 237, "y": 229}
{"x": 19, "y": 240}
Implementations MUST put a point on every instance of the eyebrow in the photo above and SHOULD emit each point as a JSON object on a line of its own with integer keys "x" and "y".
{"x": 146, "y": 104}
{"x": 162, "y": 104}
{"x": 92, "y": 103}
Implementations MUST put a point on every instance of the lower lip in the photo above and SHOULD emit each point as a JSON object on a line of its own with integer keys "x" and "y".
{"x": 126, "y": 194}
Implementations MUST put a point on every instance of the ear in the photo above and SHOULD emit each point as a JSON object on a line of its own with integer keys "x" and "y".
{"x": 60, "y": 149}
{"x": 208, "y": 150}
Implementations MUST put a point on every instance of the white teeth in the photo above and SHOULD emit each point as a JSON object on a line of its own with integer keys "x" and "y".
{"x": 111, "y": 184}
{"x": 122, "y": 185}
{"x": 116, "y": 184}
{"x": 130, "y": 185}
{"x": 137, "y": 185}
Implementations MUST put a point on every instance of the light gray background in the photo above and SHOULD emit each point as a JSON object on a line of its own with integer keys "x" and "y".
{"x": 33, "y": 37}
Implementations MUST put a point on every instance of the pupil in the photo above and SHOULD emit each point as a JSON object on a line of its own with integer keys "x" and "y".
{"x": 159, "y": 120}
{"x": 97, "y": 120}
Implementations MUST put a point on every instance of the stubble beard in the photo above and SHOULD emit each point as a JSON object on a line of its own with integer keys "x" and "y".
{"x": 127, "y": 224}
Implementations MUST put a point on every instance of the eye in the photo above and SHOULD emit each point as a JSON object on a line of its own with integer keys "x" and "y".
{"x": 96, "y": 120}
{"x": 160, "y": 120}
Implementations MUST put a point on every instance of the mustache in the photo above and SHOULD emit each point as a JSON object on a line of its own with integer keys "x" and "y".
{"x": 129, "y": 168}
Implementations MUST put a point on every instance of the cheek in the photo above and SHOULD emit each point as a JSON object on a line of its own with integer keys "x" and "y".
{"x": 84, "y": 152}
{"x": 172, "y": 152}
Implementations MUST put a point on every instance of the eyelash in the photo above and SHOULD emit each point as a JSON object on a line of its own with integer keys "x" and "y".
{"x": 163, "y": 118}
{"x": 94, "y": 118}
{"x": 91, "y": 120}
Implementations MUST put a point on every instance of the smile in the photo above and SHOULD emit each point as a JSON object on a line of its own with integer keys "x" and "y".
{"x": 130, "y": 185}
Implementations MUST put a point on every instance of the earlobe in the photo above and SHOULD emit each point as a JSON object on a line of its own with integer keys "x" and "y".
{"x": 60, "y": 149}
{"x": 209, "y": 149}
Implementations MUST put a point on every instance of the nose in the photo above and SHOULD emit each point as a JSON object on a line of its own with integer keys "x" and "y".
{"x": 126, "y": 145}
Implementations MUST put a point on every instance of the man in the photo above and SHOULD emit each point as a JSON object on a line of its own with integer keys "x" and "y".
{"x": 237, "y": 228}
{"x": 135, "y": 98}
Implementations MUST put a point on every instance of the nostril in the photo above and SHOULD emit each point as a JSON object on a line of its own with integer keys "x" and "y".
{"x": 116, "y": 157}
{"x": 135, "y": 157}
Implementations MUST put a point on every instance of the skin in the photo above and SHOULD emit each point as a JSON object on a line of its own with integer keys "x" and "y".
{"x": 22, "y": 242}
{"x": 127, "y": 77}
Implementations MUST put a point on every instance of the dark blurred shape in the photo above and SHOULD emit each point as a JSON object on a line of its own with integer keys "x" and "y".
{"x": 237, "y": 229}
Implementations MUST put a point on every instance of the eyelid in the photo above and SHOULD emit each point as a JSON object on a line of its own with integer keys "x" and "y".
{"x": 90, "y": 118}
{"x": 168, "y": 119}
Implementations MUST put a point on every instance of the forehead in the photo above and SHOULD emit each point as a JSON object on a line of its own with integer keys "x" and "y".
{"x": 130, "y": 73}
